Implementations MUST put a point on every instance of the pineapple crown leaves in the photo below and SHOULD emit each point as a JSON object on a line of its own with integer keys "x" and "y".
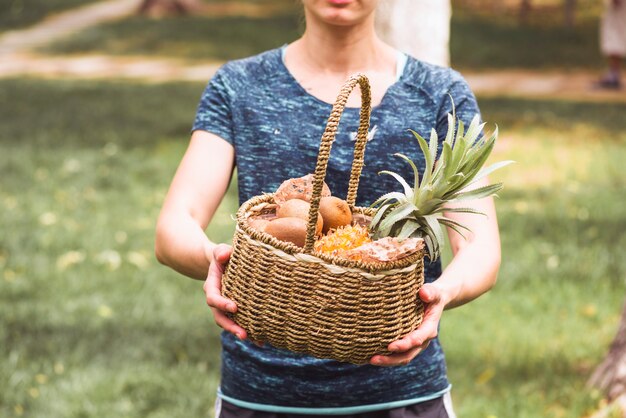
{"x": 418, "y": 212}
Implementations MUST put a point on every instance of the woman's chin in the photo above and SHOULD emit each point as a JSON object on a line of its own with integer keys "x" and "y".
{"x": 340, "y": 12}
{"x": 340, "y": 3}
{"x": 341, "y": 17}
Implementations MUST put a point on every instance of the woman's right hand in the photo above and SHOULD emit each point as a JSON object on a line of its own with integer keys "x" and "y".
{"x": 213, "y": 291}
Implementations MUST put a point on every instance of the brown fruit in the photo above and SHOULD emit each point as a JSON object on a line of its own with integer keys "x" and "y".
{"x": 258, "y": 223}
{"x": 288, "y": 229}
{"x": 335, "y": 213}
{"x": 298, "y": 208}
{"x": 298, "y": 188}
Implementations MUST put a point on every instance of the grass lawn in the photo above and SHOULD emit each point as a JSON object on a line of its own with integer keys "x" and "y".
{"x": 484, "y": 41}
{"x": 561, "y": 286}
{"x": 481, "y": 37}
{"x": 92, "y": 326}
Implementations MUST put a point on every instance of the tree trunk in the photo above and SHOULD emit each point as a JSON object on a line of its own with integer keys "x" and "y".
{"x": 420, "y": 28}
{"x": 570, "y": 13}
{"x": 610, "y": 375}
{"x": 524, "y": 11}
{"x": 161, "y": 8}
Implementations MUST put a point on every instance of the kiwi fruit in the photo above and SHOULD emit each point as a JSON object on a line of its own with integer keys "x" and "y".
{"x": 298, "y": 188}
{"x": 288, "y": 229}
{"x": 298, "y": 208}
{"x": 335, "y": 212}
{"x": 258, "y": 223}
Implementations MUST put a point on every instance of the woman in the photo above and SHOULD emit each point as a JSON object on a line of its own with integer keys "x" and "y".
{"x": 266, "y": 114}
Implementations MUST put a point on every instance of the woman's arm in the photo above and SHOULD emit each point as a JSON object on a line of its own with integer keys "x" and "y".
{"x": 476, "y": 258}
{"x": 196, "y": 191}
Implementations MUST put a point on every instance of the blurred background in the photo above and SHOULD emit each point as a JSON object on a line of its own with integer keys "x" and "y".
{"x": 96, "y": 104}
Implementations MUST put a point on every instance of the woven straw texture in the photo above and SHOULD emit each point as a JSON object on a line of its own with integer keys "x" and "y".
{"x": 328, "y": 307}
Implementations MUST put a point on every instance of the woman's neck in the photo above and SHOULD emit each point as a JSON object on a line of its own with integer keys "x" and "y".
{"x": 323, "y": 58}
{"x": 342, "y": 50}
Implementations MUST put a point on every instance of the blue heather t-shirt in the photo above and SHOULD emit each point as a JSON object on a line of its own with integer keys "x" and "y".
{"x": 275, "y": 126}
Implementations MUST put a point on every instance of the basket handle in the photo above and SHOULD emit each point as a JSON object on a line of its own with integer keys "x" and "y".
{"x": 327, "y": 140}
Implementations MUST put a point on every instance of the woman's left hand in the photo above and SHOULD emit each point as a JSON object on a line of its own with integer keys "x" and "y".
{"x": 407, "y": 348}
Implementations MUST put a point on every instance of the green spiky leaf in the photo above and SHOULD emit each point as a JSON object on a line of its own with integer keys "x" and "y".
{"x": 378, "y": 216}
{"x": 416, "y": 174}
{"x": 397, "y": 214}
{"x": 478, "y": 193}
{"x": 430, "y": 161}
{"x": 409, "y": 228}
{"x": 407, "y": 189}
{"x": 419, "y": 211}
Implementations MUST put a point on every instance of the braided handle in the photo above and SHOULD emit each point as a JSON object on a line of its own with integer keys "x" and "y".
{"x": 327, "y": 140}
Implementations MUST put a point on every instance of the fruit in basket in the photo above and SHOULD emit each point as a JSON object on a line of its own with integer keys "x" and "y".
{"x": 384, "y": 250}
{"x": 335, "y": 212}
{"x": 298, "y": 188}
{"x": 343, "y": 239}
{"x": 289, "y": 229}
{"x": 361, "y": 219}
{"x": 298, "y": 208}
{"x": 258, "y": 223}
{"x": 419, "y": 211}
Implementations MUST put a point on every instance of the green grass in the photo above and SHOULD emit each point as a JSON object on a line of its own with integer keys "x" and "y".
{"x": 490, "y": 42}
{"x": 92, "y": 326}
{"x": 16, "y": 14}
{"x": 561, "y": 283}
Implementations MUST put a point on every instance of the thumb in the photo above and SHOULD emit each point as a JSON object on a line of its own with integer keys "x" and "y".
{"x": 429, "y": 293}
{"x": 221, "y": 253}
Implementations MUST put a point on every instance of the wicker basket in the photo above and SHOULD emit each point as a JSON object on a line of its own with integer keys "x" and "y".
{"x": 328, "y": 307}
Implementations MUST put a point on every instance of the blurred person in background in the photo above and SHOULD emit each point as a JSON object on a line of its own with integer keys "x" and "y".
{"x": 265, "y": 115}
{"x": 613, "y": 42}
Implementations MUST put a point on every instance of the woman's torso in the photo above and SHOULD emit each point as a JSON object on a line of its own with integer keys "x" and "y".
{"x": 275, "y": 127}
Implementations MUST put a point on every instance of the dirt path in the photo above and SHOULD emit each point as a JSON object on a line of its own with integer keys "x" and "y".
{"x": 523, "y": 83}
{"x": 64, "y": 24}
{"x": 571, "y": 85}
{"x": 147, "y": 69}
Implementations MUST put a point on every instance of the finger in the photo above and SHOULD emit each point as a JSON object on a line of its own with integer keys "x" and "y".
{"x": 221, "y": 253}
{"x": 228, "y": 324}
{"x": 214, "y": 276}
{"x": 215, "y": 300}
{"x": 426, "y": 332}
{"x": 428, "y": 329}
{"x": 213, "y": 291}
{"x": 399, "y": 359}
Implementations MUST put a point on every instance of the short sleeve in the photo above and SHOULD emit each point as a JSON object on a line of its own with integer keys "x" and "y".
{"x": 214, "y": 110}
{"x": 465, "y": 105}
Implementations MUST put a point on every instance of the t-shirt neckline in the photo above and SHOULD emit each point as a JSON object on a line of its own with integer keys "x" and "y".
{"x": 401, "y": 65}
